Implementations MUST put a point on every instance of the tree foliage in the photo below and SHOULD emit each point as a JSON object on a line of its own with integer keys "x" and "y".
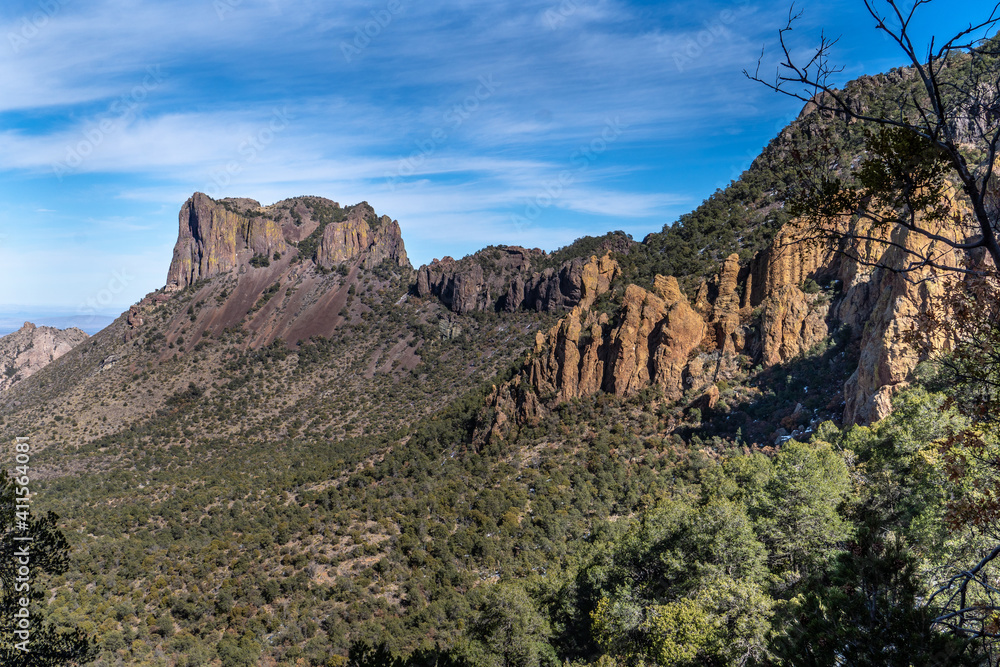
{"x": 46, "y": 554}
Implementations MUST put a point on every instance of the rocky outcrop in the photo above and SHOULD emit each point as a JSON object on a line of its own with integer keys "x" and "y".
{"x": 137, "y": 314}
{"x": 681, "y": 332}
{"x": 30, "y": 348}
{"x": 888, "y": 303}
{"x": 596, "y": 277}
{"x": 362, "y": 233}
{"x": 479, "y": 282}
{"x": 569, "y": 361}
{"x": 721, "y": 303}
{"x": 790, "y": 297}
{"x": 791, "y": 323}
{"x": 650, "y": 342}
{"x": 504, "y": 278}
{"x": 219, "y": 236}
{"x": 871, "y": 292}
{"x": 267, "y": 270}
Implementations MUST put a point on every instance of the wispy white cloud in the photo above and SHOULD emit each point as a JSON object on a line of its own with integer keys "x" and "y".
{"x": 453, "y": 116}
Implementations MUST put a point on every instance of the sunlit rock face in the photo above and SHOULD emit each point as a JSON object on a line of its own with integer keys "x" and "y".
{"x": 30, "y": 349}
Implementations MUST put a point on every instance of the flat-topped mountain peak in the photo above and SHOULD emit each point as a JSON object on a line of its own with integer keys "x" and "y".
{"x": 218, "y": 236}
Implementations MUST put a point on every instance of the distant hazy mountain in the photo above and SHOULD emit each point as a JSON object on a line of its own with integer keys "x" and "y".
{"x": 31, "y": 348}
{"x": 12, "y": 320}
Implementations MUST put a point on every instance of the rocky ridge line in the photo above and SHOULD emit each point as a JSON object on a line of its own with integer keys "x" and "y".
{"x": 29, "y": 349}
{"x": 283, "y": 271}
{"x": 505, "y": 279}
{"x": 771, "y": 311}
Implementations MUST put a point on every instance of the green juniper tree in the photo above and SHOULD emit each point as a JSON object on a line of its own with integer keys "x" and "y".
{"x": 926, "y": 194}
{"x": 26, "y": 639}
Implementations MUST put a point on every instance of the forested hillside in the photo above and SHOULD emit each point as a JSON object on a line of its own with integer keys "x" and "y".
{"x": 727, "y": 444}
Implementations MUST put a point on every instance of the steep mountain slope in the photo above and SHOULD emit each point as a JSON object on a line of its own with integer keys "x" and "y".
{"x": 337, "y": 299}
{"x": 300, "y": 442}
{"x": 231, "y": 488}
{"x": 316, "y": 360}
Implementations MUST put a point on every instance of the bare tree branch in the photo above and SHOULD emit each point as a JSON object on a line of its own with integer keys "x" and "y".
{"x": 932, "y": 119}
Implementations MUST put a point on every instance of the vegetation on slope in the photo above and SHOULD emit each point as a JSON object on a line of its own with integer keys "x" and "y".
{"x": 303, "y": 505}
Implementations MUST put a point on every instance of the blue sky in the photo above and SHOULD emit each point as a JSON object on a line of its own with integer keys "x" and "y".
{"x": 456, "y": 118}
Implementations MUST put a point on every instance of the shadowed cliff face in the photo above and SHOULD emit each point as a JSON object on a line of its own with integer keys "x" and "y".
{"x": 30, "y": 348}
{"x": 214, "y": 238}
{"x": 507, "y": 279}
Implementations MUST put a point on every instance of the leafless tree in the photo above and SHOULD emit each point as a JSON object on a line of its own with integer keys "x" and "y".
{"x": 947, "y": 126}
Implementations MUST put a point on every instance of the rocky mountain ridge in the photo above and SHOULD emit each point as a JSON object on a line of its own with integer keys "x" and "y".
{"x": 511, "y": 278}
{"x": 789, "y": 298}
{"x": 297, "y": 405}
{"x": 29, "y": 349}
{"x": 283, "y": 271}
